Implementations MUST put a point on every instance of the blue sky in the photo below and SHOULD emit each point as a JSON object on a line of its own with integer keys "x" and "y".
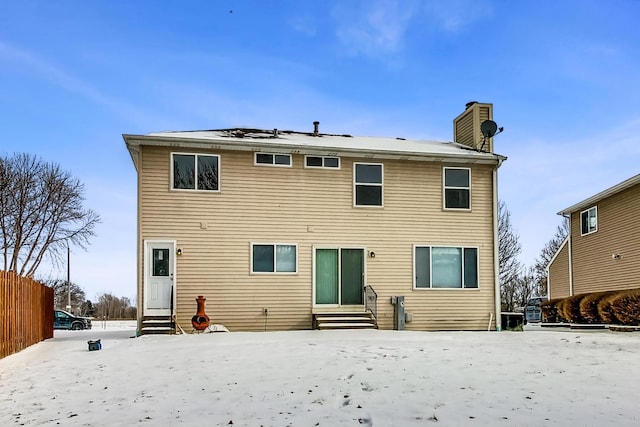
{"x": 564, "y": 78}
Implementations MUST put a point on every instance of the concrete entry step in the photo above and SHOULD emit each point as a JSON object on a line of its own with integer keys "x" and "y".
{"x": 344, "y": 320}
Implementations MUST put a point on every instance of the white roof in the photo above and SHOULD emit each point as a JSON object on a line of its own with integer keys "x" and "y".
{"x": 587, "y": 203}
{"x": 322, "y": 144}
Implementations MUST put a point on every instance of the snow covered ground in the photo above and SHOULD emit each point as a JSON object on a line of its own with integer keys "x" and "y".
{"x": 325, "y": 378}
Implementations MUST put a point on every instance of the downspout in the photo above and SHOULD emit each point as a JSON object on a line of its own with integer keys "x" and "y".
{"x": 570, "y": 243}
{"x": 496, "y": 263}
{"x": 139, "y": 246}
{"x": 546, "y": 270}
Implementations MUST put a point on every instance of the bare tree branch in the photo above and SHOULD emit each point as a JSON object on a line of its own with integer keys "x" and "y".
{"x": 41, "y": 213}
{"x": 547, "y": 253}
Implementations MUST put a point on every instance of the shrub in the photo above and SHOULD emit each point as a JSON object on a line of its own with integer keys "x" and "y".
{"x": 589, "y": 306}
{"x": 550, "y": 310}
{"x": 570, "y": 309}
{"x": 626, "y": 306}
{"x": 561, "y": 315}
{"x": 605, "y": 311}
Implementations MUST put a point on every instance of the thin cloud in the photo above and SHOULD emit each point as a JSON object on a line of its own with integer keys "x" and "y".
{"x": 59, "y": 77}
{"x": 374, "y": 27}
{"x": 456, "y": 15}
{"x": 379, "y": 28}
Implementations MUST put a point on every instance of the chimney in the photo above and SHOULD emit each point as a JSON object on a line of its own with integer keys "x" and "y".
{"x": 466, "y": 127}
{"x": 315, "y": 128}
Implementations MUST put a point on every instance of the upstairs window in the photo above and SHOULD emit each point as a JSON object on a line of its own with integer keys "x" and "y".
{"x": 195, "y": 172}
{"x": 445, "y": 267}
{"x": 283, "y": 160}
{"x": 457, "y": 188}
{"x": 589, "y": 220}
{"x": 322, "y": 162}
{"x": 367, "y": 182}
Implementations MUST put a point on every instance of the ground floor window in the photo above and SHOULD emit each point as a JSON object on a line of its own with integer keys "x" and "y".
{"x": 274, "y": 258}
{"x": 451, "y": 267}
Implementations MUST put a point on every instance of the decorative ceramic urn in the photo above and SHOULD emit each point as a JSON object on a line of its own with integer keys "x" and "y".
{"x": 200, "y": 321}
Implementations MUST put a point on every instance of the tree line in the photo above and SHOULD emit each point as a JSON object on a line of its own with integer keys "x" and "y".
{"x": 105, "y": 306}
{"x": 518, "y": 283}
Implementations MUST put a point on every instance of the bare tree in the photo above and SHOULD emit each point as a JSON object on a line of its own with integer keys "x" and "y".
{"x": 112, "y": 307}
{"x": 546, "y": 254}
{"x": 41, "y": 213}
{"x": 61, "y": 293}
{"x": 508, "y": 250}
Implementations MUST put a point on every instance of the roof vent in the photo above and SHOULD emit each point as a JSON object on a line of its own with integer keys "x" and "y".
{"x": 275, "y": 133}
{"x": 315, "y": 128}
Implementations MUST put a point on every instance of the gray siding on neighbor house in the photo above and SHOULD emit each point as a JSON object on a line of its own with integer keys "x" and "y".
{"x": 313, "y": 207}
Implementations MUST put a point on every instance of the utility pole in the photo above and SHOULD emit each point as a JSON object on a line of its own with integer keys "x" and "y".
{"x": 68, "y": 278}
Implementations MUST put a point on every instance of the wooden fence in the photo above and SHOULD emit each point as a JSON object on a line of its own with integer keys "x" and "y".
{"x": 26, "y": 312}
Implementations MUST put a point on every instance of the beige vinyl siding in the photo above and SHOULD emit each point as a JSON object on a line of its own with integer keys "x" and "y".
{"x": 594, "y": 268}
{"x": 559, "y": 275}
{"x": 314, "y": 207}
{"x": 464, "y": 129}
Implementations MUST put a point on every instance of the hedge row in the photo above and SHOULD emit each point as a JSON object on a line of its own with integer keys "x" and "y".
{"x": 611, "y": 307}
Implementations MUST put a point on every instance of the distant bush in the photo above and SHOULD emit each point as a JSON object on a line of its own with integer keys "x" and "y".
{"x": 626, "y": 306}
{"x": 589, "y": 306}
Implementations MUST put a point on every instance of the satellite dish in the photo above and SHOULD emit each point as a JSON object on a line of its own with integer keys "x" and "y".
{"x": 488, "y": 128}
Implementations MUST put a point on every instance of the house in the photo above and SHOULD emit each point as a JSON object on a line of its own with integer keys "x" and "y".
{"x": 276, "y": 228}
{"x": 602, "y": 250}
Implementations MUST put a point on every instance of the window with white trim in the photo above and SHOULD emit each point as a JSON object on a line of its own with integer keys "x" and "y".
{"x": 589, "y": 221}
{"x": 200, "y": 172}
{"x": 270, "y": 159}
{"x": 367, "y": 184}
{"x": 457, "y": 188}
{"x": 445, "y": 267}
{"x": 322, "y": 162}
{"x": 274, "y": 258}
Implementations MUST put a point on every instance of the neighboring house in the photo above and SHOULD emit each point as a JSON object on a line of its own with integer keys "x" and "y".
{"x": 276, "y": 227}
{"x": 602, "y": 251}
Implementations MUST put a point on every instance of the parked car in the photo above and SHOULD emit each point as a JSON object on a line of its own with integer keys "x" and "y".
{"x": 65, "y": 320}
{"x": 532, "y": 311}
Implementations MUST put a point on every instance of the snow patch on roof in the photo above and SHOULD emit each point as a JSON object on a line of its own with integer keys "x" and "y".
{"x": 326, "y": 141}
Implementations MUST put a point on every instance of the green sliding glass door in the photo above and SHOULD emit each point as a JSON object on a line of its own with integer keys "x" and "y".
{"x": 339, "y": 276}
{"x": 327, "y": 276}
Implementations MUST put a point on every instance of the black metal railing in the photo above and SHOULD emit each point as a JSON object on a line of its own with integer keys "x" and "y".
{"x": 371, "y": 301}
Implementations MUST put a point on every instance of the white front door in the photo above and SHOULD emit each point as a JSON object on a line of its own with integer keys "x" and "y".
{"x": 159, "y": 274}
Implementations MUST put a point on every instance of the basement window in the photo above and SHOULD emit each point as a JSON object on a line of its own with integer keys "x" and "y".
{"x": 589, "y": 221}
